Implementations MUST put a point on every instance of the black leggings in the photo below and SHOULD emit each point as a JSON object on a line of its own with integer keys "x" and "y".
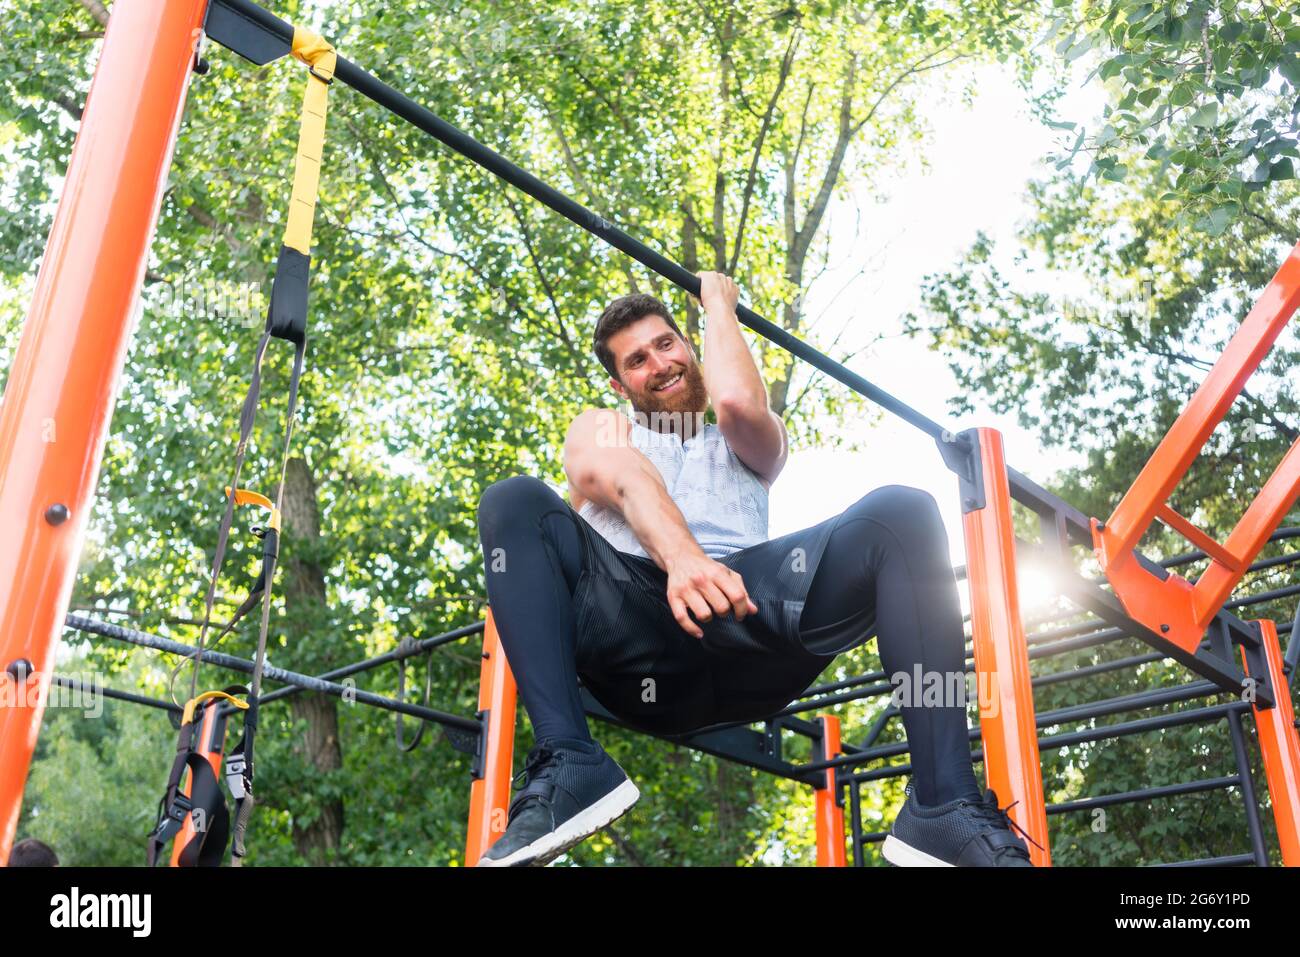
{"x": 886, "y": 561}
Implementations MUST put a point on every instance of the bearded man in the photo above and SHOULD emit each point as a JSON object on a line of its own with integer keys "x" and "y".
{"x": 658, "y": 587}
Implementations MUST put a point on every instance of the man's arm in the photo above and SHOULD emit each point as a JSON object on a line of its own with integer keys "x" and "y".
{"x": 755, "y": 433}
{"x": 605, "y": 468}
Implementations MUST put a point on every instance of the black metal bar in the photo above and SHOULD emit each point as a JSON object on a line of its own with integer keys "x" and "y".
{"x": 75, "y": 685}
{"x": 1231, "y": 860}
{"x": 398, "y": 654}
{"x": 855, "y": 824}
{"x": 1143, "y": 794}
{"x": 1292, "y": 656}
{"x": 371, "y": 87}
{"x": 1187, "y": 558}
{"x": 1045, "y": 742}
{"x": 742, "y": 745}
{"x": 1249, "y": 798}
{"x": 272, "y": 673}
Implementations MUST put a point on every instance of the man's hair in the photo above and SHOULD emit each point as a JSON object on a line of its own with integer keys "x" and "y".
{"x": 30, "y": 852}
{"x": 620, "y": 314}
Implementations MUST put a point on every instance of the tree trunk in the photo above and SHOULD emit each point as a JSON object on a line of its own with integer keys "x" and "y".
{"x": 303, "y": 586}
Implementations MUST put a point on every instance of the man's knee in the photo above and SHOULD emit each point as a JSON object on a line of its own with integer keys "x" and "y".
{"x": 907, "y": 510}
{"x": 903, "y": 498}
{"x": 519, "y": 499}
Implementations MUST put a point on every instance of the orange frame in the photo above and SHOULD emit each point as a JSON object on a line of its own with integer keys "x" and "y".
{"x": 63, "y": 382}
{"x": 1279, "y": 745}
{"x": 489, "y": 795}
{"x": 1002, "y": 678}
{"x": 830, "y": 815}
{"x": 1175, "y": 608}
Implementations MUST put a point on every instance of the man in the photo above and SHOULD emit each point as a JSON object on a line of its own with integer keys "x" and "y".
{"x": 30, "y": 852}
{"x": 659, "y": 587}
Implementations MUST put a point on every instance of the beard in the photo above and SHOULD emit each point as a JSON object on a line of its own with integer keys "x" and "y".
{"x": 681, "y": 411}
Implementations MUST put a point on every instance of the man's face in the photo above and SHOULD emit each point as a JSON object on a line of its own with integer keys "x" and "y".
{"x": 658, "y": 370}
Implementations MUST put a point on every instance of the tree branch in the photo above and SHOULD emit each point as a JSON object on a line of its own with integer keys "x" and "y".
{"x": 97, "y": 11}
{"x": 751, "y": 179}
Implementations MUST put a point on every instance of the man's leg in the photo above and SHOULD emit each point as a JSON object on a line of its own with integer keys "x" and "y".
{"x": 532, "y": 557}
{"x": 889, "y": 554}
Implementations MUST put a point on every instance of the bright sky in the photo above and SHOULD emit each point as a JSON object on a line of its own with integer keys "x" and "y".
{"x": 982, "y": 158}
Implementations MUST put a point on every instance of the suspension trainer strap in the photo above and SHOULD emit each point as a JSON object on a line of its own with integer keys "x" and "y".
{"x": 199, "y": 800}
{"x": 287, "y": 319}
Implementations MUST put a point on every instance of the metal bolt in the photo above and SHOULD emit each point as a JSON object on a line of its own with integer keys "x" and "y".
{"x": 20, "y": 670}
{"x": 57, "y": 514}
{"x": 1101, "y": 526}
{"x": 201, "y": 66}
{"x": 969, "y": 503}
{"x": 485, "y": 656}
{"x": 1164, "y": 627}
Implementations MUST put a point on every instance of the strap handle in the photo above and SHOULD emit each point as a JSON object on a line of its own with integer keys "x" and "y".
{"x": 321, "y": 59}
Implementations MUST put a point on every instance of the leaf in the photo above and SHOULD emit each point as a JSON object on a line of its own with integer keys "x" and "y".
{"x": 1290, "y": 68}
{"x": 1206, "y": 116}
{"x": 1230, "y": 31}
{"x": 1221, "y": 217}
{"x": 1080, "y": 48}
{"x": 1282, "y": 169}
{"x": 1148, "y": 96}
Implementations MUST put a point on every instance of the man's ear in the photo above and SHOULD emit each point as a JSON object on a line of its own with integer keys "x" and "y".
{"x": 618, "y": 387}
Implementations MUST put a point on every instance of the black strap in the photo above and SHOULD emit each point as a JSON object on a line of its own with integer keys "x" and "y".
{"x": 407, "y": 643}
{"x": 204, "y": 806}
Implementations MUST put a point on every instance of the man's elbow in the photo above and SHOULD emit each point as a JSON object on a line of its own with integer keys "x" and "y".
{"x": 746, "y": 412}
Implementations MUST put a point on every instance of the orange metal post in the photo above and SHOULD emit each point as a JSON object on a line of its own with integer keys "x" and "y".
{"x": 489, "y": 796}
{"x": 1011, "y": 762}
{"x": 830, "y": 816}
{"x": 64, "y": 377}
{"x": 1280, "y": 747}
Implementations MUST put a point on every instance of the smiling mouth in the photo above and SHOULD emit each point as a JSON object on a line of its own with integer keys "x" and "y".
{"x": 668, "y": 385}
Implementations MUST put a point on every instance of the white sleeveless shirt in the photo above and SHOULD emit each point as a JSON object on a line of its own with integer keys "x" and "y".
{"x": 723, "y": 502}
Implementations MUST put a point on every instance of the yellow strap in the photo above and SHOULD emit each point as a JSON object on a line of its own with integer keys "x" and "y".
{"x": 319, "y": 55}
{"x": 245, "y": 497}
{"x": 194, "y": 702}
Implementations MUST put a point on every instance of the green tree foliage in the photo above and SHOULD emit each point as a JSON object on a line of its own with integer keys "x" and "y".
{"x": 1209, "y": 90}
{"x": 1095, "y": 332}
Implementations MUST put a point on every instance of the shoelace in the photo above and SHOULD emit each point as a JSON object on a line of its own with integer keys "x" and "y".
{"x": 988, "y": 810}
{"x": 538, "y": 759}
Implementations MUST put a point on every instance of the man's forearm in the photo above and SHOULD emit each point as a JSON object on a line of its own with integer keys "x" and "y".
{"x": 654, "y": 517}
{"x": 730, "y": 373}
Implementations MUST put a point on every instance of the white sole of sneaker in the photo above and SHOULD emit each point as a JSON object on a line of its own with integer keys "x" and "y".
{"x": 904, "y": 855}
{"x": 573, "y": 831}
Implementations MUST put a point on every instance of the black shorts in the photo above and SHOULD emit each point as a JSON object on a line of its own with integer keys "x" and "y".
{"x": 636, "y": 660}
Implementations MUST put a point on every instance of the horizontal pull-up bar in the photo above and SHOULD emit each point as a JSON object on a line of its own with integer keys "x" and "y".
{"x": 306, "y": 682}
{"x": 390, "y": 99}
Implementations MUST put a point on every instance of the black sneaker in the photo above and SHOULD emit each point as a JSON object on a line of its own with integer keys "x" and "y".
{"x": 573, "y": 789}
{"x": 961, "y": 833}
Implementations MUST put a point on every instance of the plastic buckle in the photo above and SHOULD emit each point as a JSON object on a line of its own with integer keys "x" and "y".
{"x": 235, "y": 766}
{"x": 327, "y": 80}
{"x": 180, "y": 809}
